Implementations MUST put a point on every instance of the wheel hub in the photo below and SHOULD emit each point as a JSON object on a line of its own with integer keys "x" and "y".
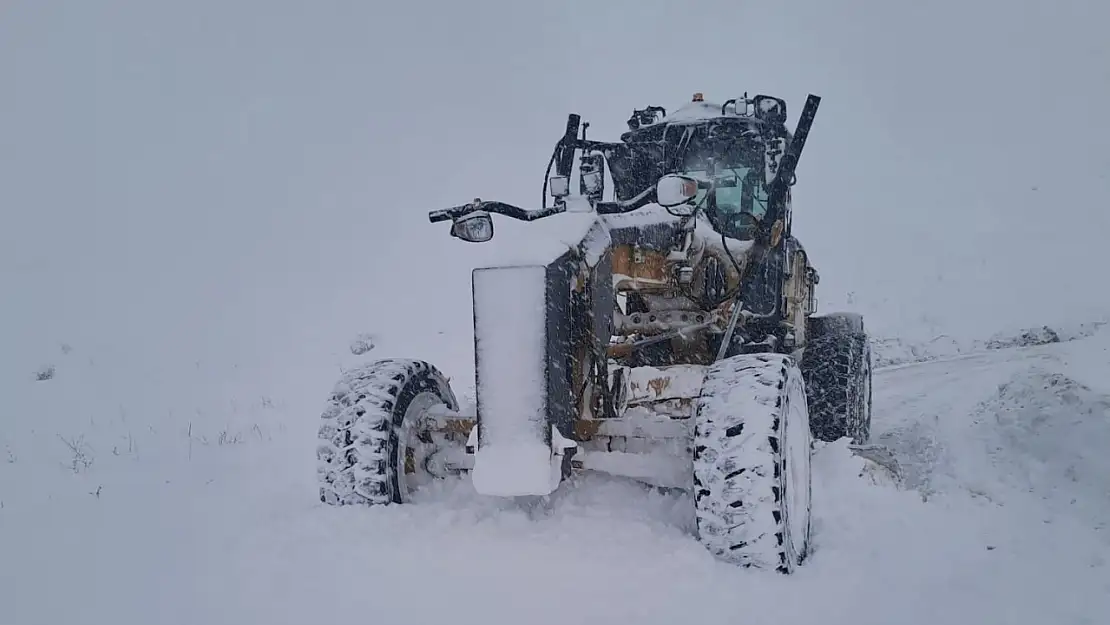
{"x": 412, "y": 452}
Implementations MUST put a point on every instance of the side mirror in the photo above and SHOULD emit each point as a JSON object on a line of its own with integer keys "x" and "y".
{"x": 559, "y": 186}
{"x": 672, "y": 190}
{"x": 591, "y": 172}
{"x": 477, "y": 227}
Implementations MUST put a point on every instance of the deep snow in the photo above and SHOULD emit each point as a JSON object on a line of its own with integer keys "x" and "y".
{"x": 201, "y": 203}
{"x": 1004, "y": 520}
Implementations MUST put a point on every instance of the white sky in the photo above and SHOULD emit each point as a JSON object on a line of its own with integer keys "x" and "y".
{"x": 205, "y": 176}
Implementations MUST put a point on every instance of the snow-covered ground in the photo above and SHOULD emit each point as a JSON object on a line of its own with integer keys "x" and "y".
{"x": 126, "y": 503}
{"x": 202, "y": 202}
{"x": 887, "y": 351}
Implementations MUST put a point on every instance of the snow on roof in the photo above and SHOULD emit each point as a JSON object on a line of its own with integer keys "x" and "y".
{"x": 693, "y": 112}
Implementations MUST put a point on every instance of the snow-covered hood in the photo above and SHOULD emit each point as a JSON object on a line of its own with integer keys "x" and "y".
{"x": 539, "y": 242}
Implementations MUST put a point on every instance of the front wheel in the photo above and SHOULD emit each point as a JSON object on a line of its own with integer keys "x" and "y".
{"x": 752, "y": 477}
{"x": 374, "y": 442}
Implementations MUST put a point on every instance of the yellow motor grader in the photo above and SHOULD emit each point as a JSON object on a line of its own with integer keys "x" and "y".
{"x": 674, "y": 341}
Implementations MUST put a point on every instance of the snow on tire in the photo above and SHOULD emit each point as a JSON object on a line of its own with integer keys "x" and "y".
{"x": 370, "y": 431}
{"x": 836, "y": 364}
{"x": 752, "y": 481}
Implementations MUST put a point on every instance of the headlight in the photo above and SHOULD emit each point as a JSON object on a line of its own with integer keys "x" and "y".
{"x": 476, "y": 227}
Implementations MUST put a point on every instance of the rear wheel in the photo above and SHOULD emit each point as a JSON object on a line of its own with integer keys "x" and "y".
{"x": 752, "y": 479}
{"x": 375, "y": 443}
{"x": 836, "y": 364}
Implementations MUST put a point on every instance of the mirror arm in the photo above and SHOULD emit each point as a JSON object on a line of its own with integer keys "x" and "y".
{"x": 647, "y": 196}
{"x": 508, "y": 210}
{"x": 449, "y": 213}
{"x": 501, "y": 208}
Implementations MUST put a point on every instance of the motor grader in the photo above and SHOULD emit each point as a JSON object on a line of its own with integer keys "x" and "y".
{"x": 674, "y": 340}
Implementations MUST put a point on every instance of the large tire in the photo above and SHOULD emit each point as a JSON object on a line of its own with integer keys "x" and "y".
{"x": 370, "y": 444}
{"x": 752, "y": 479}
{"x": 836, "y": 364}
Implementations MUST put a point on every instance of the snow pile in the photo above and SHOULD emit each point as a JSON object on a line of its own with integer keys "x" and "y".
{"x": 1051, "y": 436}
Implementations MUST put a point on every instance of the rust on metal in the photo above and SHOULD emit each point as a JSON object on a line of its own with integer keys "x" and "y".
{"x": 585, "y": 429}
{"x": 659, "y": 385}
{"x": 454, "y": 426}
{"x": 619, "y": 350}
{"x": 640, "y": 264}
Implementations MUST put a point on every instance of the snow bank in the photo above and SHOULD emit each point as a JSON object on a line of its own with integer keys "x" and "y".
{"x": 1051, "y": 435}
{"x": 896, "y": 351}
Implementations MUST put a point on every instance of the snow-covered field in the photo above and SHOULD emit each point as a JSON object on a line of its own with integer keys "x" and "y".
{"x": 202, "y": 202}
{"x": 124, "y": 507}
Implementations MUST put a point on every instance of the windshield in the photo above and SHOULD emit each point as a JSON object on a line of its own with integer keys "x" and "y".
{"x": 651, "y": 152}
{"x": 738, "y": 161}
{"x": 740, "y": 205}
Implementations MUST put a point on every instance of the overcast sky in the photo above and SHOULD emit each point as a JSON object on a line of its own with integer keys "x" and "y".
{"x": 254, "y": 174}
